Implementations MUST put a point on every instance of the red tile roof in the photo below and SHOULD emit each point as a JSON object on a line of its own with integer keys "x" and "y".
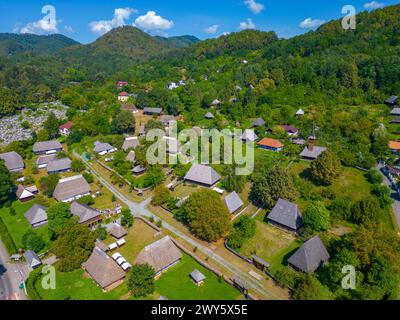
{"x": 271, "y": 143}
{"x": 67, "y": 125}
{"x": 124, "y": 94}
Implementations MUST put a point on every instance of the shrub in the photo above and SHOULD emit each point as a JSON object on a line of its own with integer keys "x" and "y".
{"x": 33, "y": 241}
{"x": 141, "y": 280}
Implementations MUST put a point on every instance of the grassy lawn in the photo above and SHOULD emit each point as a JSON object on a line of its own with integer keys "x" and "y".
{"x": 75, "y": 286}
{"x": 185, "y": 189}
{"x": 176, "y": 284}
{"x": 271, "y": 244}
{"x": 17, "y": 225}
{"x": 139, "y": 236}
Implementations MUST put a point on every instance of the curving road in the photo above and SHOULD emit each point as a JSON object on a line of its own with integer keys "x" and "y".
{"x": 140, "y": 209}
{"x": 10, "y": 278}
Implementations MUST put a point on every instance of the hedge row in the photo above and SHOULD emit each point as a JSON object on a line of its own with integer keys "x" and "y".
{"x": 6, "y": 238}
{"x": 30, "y": 283}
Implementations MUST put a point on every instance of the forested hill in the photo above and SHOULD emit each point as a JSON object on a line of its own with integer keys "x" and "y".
{"x": 180, "y": 41}
{"x": 14, "y": 44}
{"x": 324, "y": 67}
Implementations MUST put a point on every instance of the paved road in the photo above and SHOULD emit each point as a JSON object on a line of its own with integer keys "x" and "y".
{"x": 394, "y": 195}
{"x": 10, "y": 278}
{"x": 140, "y": 209}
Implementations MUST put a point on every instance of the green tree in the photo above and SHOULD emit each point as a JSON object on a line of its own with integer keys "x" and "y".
{"x": 340, "y": 208}
{"x": 127, "y": 218}
{"x": 232, "y": 181}
{"x": 58, "y": 216}
{"x": 48, "y": 184}
{"x": 309, "y": 288}
{"x": 12, "y": 211}
{"x": 207, "y": 215}
{"x": 243, "y": 229}
{"x": 32, "y": 241}
{"x": 6, "y": 183}
{"x": 73, "y": 246}
{"x": 101, "y": 233}
{"x": 271, "y": 185}
{"x": 77, "y": 165}
{"x": 374, "y": 176}
{"x": 382, "y": 192}
{"x": 366, "y": 210}
{"x": 141, "y": 280}
{"x": 161, "y": 195}
{"x": 51, "y": 126}
{"x": 123, "y": 122}
{"x": 326, "y": 168}
{"x": 317, "y": 217}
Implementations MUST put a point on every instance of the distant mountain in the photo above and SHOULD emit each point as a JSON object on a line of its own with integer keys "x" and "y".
{"x": 14, "y": 44}
{"x": 179, "y": 42}
{"x": 120, "y": 48}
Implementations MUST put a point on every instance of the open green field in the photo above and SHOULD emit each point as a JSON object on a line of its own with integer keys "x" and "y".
{"x": 75, "y": 286}
{"x": 271, "y": 244}
{"x": 17, "y": 225}
{"x": 176, "y": 284}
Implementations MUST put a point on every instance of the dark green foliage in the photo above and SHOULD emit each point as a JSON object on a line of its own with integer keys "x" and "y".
{"x": 58, "y": 215}
{"x": 88, "y": 177}
{"x": 141, "y": 280}
{"x": 161, "y": 195}
{"x": 48, "y": 184}
{"x": 101, "y": 233}
{"x": 51, "y": 126}
{"x": 232, "y": 181}
{"x": 270, "y": 185}
{"x": 123, "y": 122}
{"x": 6, "y": 183}
{"x": 382, "y": 192}
{"x": 6, "y": 238}
{"x": 286, "y": 277}
{"x": 73, "y": 246}
{"x": 154, "y": 176}
{"x": 374, "y": 176}
{"x": 12, "y": 211}
{"x": 88, "y": 200}
{"x": 340, "y": 208}
{"x": 30, "y": 284}
{"x": 316, "y": 217}
{"x": 326, "y": 168}
{"x": 127, "y": 218}
{"x": 243, "y": 229}
{"x": 15, "y": 44}
{"x": 206, "y": 214}
{"x": 32, "y": 241}
{"x": 366, "y": 211}
{"x": 307, "y": 287}
{"x": 77, "y": 165}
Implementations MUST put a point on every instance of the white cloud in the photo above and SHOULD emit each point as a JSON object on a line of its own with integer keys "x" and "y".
{"x": 151, "y": 21}
{"x": 253, "y": 6}
{"x": 374, "y": 5}
{"x": 40, "y": 27}
{"x": 119, "y": 20}
{"x": 212, "y": 29}
{"x": 249, "y": 24}
{"x": 311, "y": 23}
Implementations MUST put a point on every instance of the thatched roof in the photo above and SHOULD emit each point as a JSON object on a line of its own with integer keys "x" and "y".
{"x": 160, "y": 254}
{"x": 103, "y": 269}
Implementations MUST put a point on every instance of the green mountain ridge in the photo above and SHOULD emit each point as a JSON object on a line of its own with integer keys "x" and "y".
{"x": 13, "y": 44}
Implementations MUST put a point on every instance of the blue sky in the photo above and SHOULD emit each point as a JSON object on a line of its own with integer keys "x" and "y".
{"x": 85, "y": 20}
